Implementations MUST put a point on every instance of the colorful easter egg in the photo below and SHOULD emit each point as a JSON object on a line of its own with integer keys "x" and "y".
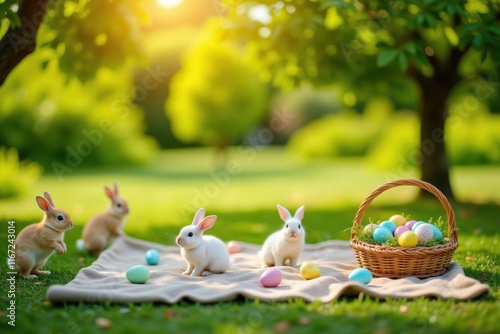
{"x": 138, "y": 274}
{"x": 370, "y": 227}
{"x": 309, "y": 270}
{"x": 388, "y": 224}
{"x": 417, "y": 224}
{"x": 271, "y": 278}
{"x": 382, "y": 234}
{"x": 436, "y": 232}
{"x": 399, "y": 220}
{"x": 424, "y": 233}
{"x": 234, "y": 247}
{"x": 408, "y": 239}
{"x": 152, "y": 257}
{"x": 410, "y": 223}
{"x": 361, "y": 275}
{"x": 400, "y": 230}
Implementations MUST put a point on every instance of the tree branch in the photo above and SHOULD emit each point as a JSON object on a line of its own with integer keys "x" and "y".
{"x": 20, "y": 42}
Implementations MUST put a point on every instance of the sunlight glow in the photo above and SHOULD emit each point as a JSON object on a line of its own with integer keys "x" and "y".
{"x": 168, "y": 3}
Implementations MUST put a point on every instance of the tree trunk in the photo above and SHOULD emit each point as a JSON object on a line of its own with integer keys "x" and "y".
{"x": 20, "y": 42}
{"x": 434, "y": 161}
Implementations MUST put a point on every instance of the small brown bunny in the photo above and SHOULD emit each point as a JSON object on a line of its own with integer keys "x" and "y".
{"x": 37, "y": 242}
{"x": 100, "y": 228}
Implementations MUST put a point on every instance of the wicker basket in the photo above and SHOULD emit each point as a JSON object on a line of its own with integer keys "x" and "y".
{"x": 398, "y": 262}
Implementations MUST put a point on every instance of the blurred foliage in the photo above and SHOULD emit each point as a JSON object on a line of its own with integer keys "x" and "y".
{"x": 390, "y": 140}
{"x": 165, "y": 56}
{"x": 63, "y": 123}
{"x": 215, "y": 98}
{"x": 16, "y": 177}
{"x": 346, "y": 133}
{"x": 361, "y": 43}
{"x": 8, "y": 12}
{"x": 90, "y": 34}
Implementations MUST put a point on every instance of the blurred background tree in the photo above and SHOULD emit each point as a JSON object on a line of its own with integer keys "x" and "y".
{"x": 216, "y": 98}
{"x": 368, "y": 45}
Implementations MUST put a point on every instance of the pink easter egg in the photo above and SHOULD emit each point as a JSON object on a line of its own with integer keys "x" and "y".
{"x": 271, "y": 278}
{"x": 400, "y": 230}
{"x": 234, "y": 247}
{"x": 410, "y": 223}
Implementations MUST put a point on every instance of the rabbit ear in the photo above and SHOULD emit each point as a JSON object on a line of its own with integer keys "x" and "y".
{"x": 284, "y": 214}
{"x": 109, "y": 193}
{"x": 116, "y": 188}
{"x": 49, "y": 199}
{"x": 43, "y": 203}
{"x": 299, "y": 214}
{"x": 207, "y": 223}
{"x": 198, "y": 217}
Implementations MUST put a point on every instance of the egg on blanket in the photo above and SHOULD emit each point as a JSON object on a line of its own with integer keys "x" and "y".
{"x": 309, "y": 270}
{"x": 424, "y": 233}
{"x": 152, "y": 257}
{"x": 234, "y": 247}
{"x": 138, "y": 274}
{"x": 361, "y": 275}
{"x": 271, "y": 278}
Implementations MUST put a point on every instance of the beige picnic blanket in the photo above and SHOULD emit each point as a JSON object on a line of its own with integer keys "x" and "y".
{"x": 105, "y": 281}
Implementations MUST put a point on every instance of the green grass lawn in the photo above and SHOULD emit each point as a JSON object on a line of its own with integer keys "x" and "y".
{"x": 164, "y": 196}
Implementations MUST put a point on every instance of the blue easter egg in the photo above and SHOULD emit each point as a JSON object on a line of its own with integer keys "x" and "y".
{"x": 152, "y": 257}
{"x": 420, "y": 222}
{"x": 390, "y": 225}
{"x": 437, "y": 232}
{"x": 382, "y": 234}
{"x": 360, "y": 275}
{"x": 138, "y": 274}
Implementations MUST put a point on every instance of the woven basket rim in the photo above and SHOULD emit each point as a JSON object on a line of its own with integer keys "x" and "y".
{"x": 452, "y": 229}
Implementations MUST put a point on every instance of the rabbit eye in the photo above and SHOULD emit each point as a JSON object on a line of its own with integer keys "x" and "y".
{"x": 60, "y": 218}
{"x": 119, "y": 205}
{"x": 299, "y": 227}
{"x": 190, "y": 234}
{"x": 286, "y": 225}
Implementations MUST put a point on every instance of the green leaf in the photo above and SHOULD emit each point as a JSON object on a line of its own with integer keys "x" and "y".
{"x": 470, "y": 27}
{"x": 494, "y": 29}
{"x": 403, "y": 61}
{"x": 478, "y": 42}
{"x": 387, "y": 56}
{"x": 410, "y": 48}
{"x": 14, "y": 19}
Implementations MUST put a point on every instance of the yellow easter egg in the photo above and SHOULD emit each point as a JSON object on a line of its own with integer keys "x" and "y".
{"x": 399, "y": 220}
{"x": 408, "y": 239}
{"x": 309, "y": 270}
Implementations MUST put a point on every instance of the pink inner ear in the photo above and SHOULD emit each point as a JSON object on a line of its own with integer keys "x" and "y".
{"x": 109, "y": 192}
{"x": 207, "y": 223}
{"x": 284, "y": 214}
{"x": 42, "y": 203}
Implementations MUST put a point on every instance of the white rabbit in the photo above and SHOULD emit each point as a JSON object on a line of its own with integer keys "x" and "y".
{"x": 287, "y": 243}
{"x": 205, "y": 255}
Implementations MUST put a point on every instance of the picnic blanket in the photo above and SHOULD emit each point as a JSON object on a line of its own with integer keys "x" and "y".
{"x": 105, "y": 280}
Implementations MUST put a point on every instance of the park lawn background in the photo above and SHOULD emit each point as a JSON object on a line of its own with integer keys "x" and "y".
{"x": 164, "y": 195}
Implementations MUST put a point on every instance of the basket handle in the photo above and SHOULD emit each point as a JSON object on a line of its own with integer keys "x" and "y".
{"x": 408, "y": 182}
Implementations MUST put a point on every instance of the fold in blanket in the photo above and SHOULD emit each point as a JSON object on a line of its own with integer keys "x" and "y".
{"x": 105, "y": 281}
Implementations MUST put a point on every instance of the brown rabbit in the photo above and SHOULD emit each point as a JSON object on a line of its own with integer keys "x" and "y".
{"x": 101, "y": 227}
{"x": 37, "y": 242}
